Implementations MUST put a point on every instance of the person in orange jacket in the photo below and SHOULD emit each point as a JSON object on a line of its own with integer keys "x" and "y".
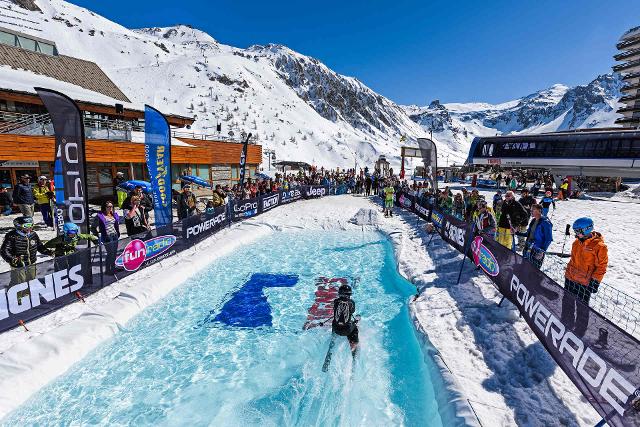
{"x": 586, "y": 268}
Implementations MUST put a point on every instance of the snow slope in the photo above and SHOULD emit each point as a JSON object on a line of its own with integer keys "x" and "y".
{"x": 294, "y": 104}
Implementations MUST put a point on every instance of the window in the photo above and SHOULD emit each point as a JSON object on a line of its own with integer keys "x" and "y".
{"x": 47, "y": 48}
{"x": 26, "y": 43}
{"x": 235, "y": 174}
{"x": 202, "y": 171}
{"x": 7, "y": 38}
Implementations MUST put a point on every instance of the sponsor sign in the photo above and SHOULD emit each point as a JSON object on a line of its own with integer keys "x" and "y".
{"x": 69, "y": 166}
{"x": 157, "y": 150}
{"x": 31, "y": 293}
{"x": 290, "y": 196}
{"x": 483, "y": 257}
{"x": 200, "y": 226}
{"x": 312, "y": 191}
{"x": 242, "y": 209}
{"x": 137, "y": 251}
{"x": 405, "y": 201}
{"x": 422, "y": 212}
{"x": 269, "y": 202}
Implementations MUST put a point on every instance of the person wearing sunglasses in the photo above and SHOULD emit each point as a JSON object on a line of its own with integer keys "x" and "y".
{"x": 20, "y": 249}
{"x": 106, "y": 225}
{"x": 585, "y": 271}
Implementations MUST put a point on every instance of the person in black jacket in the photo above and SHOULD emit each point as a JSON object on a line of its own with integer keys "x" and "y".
{"x": 186, "y": 203}
{"x": 23, "y": 196}
{"x": 344, "y": 322}
{"x": 512, "y": 216}
{"x": 20, "y": 249}
{"x": 6, "y": 202}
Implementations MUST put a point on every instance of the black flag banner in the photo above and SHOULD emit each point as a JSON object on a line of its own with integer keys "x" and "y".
{"x": 243, "y": 161}
{"x": 601, "y": 359}
{"x": 69, "y": 168}
{"x": 430, "y": 159}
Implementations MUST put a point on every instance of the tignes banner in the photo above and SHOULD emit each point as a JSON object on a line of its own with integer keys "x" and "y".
{"x": 157, "y": 151}
{"x": 603, "y": 361}
{"x": 69, "y": 174}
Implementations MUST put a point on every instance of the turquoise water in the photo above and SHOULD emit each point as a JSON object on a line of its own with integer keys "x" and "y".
{"x": 173, "y": 364}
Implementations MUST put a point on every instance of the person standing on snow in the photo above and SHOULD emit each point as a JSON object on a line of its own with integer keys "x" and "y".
{"x": 23, "y": 196}
{"x": 586, "y": 268}
{"x": 538, "y": 237}
{"x": 388, "y": 199}
{"x": 547, "y": 201}
{"x": 20, "y": 249}
{"x": 484, "y": 220}
{"x": 512, "y": 216}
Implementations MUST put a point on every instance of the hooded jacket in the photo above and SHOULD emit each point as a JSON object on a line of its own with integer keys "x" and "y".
{"x": 588, "y": 261}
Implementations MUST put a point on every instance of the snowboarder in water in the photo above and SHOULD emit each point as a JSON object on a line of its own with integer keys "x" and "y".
{"x": 344, "y": 322}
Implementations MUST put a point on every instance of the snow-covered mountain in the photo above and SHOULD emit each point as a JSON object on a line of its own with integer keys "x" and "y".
{"x": 555, "y": 109}
{"x": 295, "y": 105}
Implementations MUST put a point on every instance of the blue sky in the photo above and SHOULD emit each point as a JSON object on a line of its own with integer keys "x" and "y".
{"x": 416, "y": 51}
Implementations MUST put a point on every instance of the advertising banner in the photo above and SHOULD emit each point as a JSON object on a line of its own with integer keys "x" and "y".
{"x": 269, "y": 202}
{"x": 429, "y": 153}
{"x": 290, "y": 195}
{"x": 315, "y": 191}
{"x": 157, "y": 151}
{"x": 600, "y": 359}
{"x": 243, "y": 161}
{"x": 69, "y": 174}
{"x": 242, "y": 209}
{"x": 197, "y": 227}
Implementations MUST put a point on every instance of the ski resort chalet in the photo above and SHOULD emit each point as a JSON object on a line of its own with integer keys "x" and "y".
{"x": 114, "y": 126}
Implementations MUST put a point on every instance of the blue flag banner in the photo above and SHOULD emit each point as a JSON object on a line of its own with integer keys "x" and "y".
{"x": 157, "y": 151}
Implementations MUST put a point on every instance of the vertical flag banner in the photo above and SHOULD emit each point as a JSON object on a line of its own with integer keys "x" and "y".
{"x": 243, "y": 160}
{"x": 157, "y": 151}
{"x": 430, "y": 159}
{"x": 70, "y": 175}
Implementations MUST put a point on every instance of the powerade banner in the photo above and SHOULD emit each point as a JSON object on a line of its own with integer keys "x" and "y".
{"x": 241, "y": 209}
{"x": 243, "y": 161}
{"x": 198, "y": 227}
{"x": 157, "y": 151}
{"x": 269, "y": 202}
{"x": 603, "y": 362}
{"x": 69, "y": 173}
{"x": 290, "y": 195}
{"x": 314, "y": 191}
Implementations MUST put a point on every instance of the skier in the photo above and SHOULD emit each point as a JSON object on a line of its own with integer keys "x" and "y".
{"x": 547, "y": 201}
{"x": 344, "y": 322}
{"x": 459, "y": 206}
{"x": 66, "y": 243}
{"x": 586, "y": 268}
{"x": 388, "y": 199}
{"x": 20, "y": 249}
{"x": 538, "y": 237}
{"x": 485, "y": 222}
{"x": 497, "y": 203}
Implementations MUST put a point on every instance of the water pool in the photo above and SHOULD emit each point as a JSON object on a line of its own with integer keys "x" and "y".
{"x": 198, "y": 357}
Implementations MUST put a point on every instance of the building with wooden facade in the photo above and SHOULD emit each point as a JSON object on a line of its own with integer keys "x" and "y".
{"x": 114, "y": 127}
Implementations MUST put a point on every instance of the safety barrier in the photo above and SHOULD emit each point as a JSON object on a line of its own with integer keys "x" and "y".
{"x": 600, "y": 358}
{"x": 30, "y": 292}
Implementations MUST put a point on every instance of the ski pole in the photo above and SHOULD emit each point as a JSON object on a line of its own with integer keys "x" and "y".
{"x": 567, "y": 232}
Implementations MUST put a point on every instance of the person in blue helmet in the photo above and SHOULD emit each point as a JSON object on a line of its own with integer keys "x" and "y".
{"x": 66, "y": 243}
{"x": 585, "y": 271}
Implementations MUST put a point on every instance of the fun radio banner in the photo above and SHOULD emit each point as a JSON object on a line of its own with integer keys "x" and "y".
{"x": 69, "y": 174}
{"x": 157, "y": 151}
{"x": 242, "y": 209}
{"x": 603, "y": 361}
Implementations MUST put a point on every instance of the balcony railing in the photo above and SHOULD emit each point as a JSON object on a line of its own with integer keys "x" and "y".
{"x": 626, "y": 55}
{"x": 627, "y": 65}
{"x": 628, "y": 43}
{"x": 115, "y": 130}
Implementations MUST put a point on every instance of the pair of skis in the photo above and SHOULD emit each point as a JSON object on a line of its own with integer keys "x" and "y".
{"x": 332, "y": 343}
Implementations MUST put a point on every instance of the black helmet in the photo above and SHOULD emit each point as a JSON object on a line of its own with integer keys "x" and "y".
{"x": 23, "y": 222}
{"x": 345, "y": 290}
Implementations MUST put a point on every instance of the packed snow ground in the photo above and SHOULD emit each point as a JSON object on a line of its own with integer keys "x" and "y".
{"x": 491, "y": 354}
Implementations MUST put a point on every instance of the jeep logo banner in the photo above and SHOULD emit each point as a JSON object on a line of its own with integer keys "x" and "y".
{"x": 313, "y": 191}
{"x": 69, "y": 167}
